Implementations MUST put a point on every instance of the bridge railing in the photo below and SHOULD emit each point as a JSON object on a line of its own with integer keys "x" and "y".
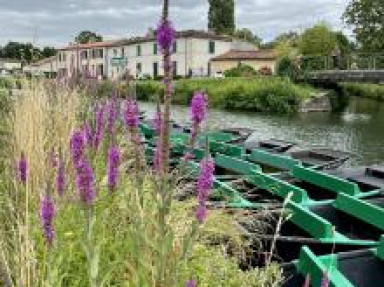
{"x": 346, "y": 62}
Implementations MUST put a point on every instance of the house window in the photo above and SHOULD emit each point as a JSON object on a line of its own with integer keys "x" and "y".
{"x": 115, "y": 52}
{"x": 212, "y": 47}
{"x": 101, "y": 52}
{"x": 84, "y": 55}
{"x": 93, "y": 54}
{"x": 59, "y": 57}
{"x": 174, "y": 68}
{"x": 138, "y": 68}
{"x": 138, "y": 50}
{"x": 174, "y": 47}
{"x": 155, "y": 49}
{"x": 155, "y": 69}
{"x": 122, "y": 52}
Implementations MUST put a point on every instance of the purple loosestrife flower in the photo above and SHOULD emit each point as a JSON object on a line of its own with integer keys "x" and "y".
{"x": 84, "y": 181}
{"x": 99, "y": 126}
{"x": 204, "y": 186}
{"x": 88, "y": 134}
{"x": 77, "y": 145}
{"x": 131, "y": 114}
{"x": 60, "y": 178}
{"x": 324, "y": 280}
{"x": 307, "y": 281}
{"x": 165, "y": 35}
{"x": 47, "y": 213}
{"x": 53, "y": 158}
{"x": 199, "y": 106}
{"x": 113, "y": 167}
{"x": 22, "y": 168}
{"x": 191, "y": 283}
{"x": 112, "y": 115}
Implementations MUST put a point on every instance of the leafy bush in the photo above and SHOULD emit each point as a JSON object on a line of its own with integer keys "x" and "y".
{"x": 257, "y": 94}
{"x": 241, "y": 70}
{"x": 373, "y": 91}
{"x": 287, "y": 68}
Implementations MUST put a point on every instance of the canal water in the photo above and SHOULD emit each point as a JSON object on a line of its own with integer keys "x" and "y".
{"x": 358, "y": 128}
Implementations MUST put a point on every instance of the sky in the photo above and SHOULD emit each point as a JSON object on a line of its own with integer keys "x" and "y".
{"x": 56, "y": 22}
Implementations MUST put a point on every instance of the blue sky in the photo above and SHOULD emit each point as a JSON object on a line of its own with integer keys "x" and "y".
{"x": 56, "y": 22}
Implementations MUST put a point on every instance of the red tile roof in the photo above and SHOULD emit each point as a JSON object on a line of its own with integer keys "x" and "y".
{"x": 105, "y": 44}
{"x": 246, "y": 55}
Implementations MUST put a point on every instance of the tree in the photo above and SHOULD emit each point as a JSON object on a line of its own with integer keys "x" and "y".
{"x": 48, "y": 52}
{"x": 221, "y": 16}
{"x": 247, "y": 35}
{"x": 318, "y": 40}
{"x": 88, "y": 37}
{"x": 367, "y": 19}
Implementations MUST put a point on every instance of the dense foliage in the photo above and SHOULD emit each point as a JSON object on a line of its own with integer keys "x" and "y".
{"x": 241, "y": 70}
{"x": 367, "y": 19}
{"x": 286, "y": 67}
{"x": 373, "y": 91}
{"x": 270, "y": 94}
{"x": 221, "y": 16}
{"x": 318, "y": 40}
{"x": 88, "y": 37}
{"x": 25, "y": 52}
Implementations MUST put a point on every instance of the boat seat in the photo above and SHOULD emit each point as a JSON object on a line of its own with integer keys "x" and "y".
{"x": 273, "y": 160}
{"x": 235, "y": 164}
{"x": 326, "y": 181}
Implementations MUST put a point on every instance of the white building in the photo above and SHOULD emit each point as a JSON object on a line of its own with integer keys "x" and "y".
{"x": 44, "y": 67}
{"x": 141, "y": 57}
{"x": 9, "y": 66}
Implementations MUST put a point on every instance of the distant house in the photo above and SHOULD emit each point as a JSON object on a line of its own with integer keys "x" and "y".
{"x": 9, "y": 66}
{"x": 44, "y": 67}
{"x": 257, "y": 59}
{"x": 141, "y": 57}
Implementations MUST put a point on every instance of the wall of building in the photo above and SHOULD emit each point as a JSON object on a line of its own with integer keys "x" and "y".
{"x": 221, "y": 66}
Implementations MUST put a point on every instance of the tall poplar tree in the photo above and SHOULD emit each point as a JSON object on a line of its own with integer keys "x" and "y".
{"x": 221, "y": 16}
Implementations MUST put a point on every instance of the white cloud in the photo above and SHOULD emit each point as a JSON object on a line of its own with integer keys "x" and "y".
{"x": 56, "y": 22}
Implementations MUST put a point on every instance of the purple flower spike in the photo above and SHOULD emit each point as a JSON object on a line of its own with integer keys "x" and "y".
{"x": 99, "y": 126}
{"x": 201, "y": 213}
{"x": 113, "y": 167}
{"x": 324, "y": 280}
{"x": 199, "y": 106}
{"x": 47, "y": 213}
{"x": 131, "y": 114}
{"x": 77, "y": 146}
{"x": 204, "y": 186}
{"x": 191, "y": 283}
{"x": 84, "y": 181}
{"x": 112, "y": 115}
{"x": 22, "y": 167}
{"x": 60, "y": 178}
{"x": 88, "y": 134}
{"x": 165, "y": 35}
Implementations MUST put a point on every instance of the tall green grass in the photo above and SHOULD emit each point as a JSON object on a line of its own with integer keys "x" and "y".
{"x": 258, "y": 94}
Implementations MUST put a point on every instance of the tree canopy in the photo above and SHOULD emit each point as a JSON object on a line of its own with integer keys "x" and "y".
{"x": 318, "y": 40}
{"x": 246, "y": 34}
{"x": 25, "y": 52}
{"x": 221, "y": 16}
{"x": 85, "y": 37}
{"x": 367, "y": 19}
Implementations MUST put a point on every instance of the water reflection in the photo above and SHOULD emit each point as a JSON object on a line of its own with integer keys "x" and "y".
{"x": 359, "y": 129}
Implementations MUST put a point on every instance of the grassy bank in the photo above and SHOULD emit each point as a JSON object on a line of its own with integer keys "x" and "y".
{"x": 373, "y": 91}
{"x": 260, "y": 94}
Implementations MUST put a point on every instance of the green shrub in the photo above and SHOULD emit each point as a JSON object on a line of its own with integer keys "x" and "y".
{"x": 241, "y": 70}
{"x": 373, "y": 91}
{"x": 270, "y": 94}
{"x": 286, "y": 68}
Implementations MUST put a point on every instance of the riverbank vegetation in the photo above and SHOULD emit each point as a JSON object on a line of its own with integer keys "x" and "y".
{"x": 363, "y": 90}
{"x": 257, "y": 94}
{"x": 75, "y": 207}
